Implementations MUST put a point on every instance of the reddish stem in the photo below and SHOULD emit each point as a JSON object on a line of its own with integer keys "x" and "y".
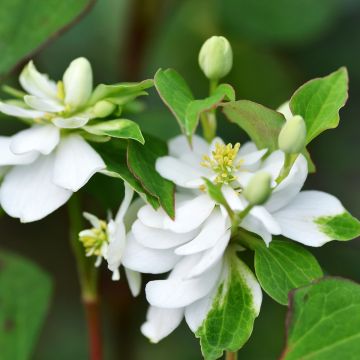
{"x": 94, "y": 329}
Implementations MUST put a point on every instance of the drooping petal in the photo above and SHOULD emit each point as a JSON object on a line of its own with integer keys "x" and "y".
{"x": 298, "y": 218}
{"x": 251, "y": 223}
{"x": 36, "y": 83}
{"x": 145, "y": 260}
{"x": 134, "y": 281}
{"x": 73, "y": 122}
{"x": 129, "y": 193}
{"x": 75, "y": 163}
{"x": 43, "y": 104}
{"x": 161, "y": 322}
{"x": 18, "y": 111}
{"x": 7, "y": 157}
{"x": 93, "y": 220}
{"x": 116, "y": 247}
{"x": 180, "y": 145}
{"x": 267, "y": 219}
{"x": 29, "y": 193}
{"x": 38, "y": 138}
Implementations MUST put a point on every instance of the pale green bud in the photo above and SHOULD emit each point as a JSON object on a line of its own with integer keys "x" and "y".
{"x": 216, "y": 57}
{"x": 259, "y": 189}
{"x": 103, "y": 108}
{"x": 292, "y": 137}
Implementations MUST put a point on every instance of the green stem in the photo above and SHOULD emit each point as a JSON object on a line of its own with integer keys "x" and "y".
{"x": 208, "y": 119}
{"x": 289, "y": 161}
{"x": 88, "y": 278}
{"x": 231, "y": 355}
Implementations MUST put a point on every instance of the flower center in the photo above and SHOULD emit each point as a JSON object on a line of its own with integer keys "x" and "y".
{"x": 94, "y": 239}
{"x": 223, "y": 162}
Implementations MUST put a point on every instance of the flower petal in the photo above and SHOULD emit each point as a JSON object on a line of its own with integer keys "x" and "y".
{"x": 251, "y": 158}
{"x": 129, "y": 193}
{"x": 134, "y": 281}
{"x": 285, "y": 110}
{"x": 76, "y": 162}
{"x": 233, "y": 198}
{"x": 180, "y": 145}
{"x": 41, "y": 104}
{"x": 93, "y": 220}
{"x": 73, "y": 122}
{"x": 116, "y": 247}
{"x": 18, "y": 111}
{"x": 139, "y": 258}
{"x": 161, "y": 322}
{"x": 28, "y": 192}
{"x": 254, "y": 225}
{"x": 274, "y": 163}
{"x": 267, "y": 219}
{"x": 36, "y": 83}
{"x": 298, "y": 218}
{"x": 7, "y": 157}
{"x": 40, "y": 138}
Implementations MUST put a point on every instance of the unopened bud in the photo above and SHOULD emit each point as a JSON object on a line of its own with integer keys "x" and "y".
{"x": 292, "y": 137}
{"x": 103, "y": 108}
{"x": 216, "y": 57}
{"x": 259, "y": 189}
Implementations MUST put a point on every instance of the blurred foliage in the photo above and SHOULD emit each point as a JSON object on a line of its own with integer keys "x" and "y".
{"x": 278, "y": 45}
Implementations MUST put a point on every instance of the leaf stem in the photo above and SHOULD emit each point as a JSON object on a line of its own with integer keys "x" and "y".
{"x": 88, "y": 278}
{"x": 231, "y": 355}
{"x": 289, "y": 161}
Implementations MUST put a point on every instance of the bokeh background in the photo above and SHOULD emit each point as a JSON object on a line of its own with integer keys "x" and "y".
{"x": 278, "y": 45}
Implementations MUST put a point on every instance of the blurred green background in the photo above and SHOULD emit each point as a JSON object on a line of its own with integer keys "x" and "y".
{"x": 278, "y": 45}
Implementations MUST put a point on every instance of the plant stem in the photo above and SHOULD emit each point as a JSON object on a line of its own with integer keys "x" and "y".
{"x": 208, "y": 119}
{"x": 231, "y": 355}
{"x": 88, "y": 278}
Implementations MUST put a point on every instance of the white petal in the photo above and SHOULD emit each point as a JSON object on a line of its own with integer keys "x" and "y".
{"x": 93, "y": 220}
{"x": 36, "y": 83}
{"x": 134, "y": 281}
{"x": 251, "y": 158}
{"x": 76, "y": 162}
{"x": 40, "y": 138}
{"x": 247, "y": 148}
{"x": 285, "y": 110}
{"x": 234, "y": 200}
{"x": 159, "y": 239}
{"x": 78, "y": 82}
{"x": 213, "y": 228}
{"x": 290, "y": 186}
{"x": 161, "y": 322}
{"x": 28, "y": 192}
{"x": 18, "y": 111}
{"x": 73, "y": 122}
{"x": 297, "y": 219}
{"x": 180, "y": 145}
{"x": 7, "y": 157}
{"x": 274, "y": 163}
{"x": 129, "y": 193}
{"x": 178, "y": 292}
{"x": 267, "y": 219}
{"x": 139, "y": 258}
{"x": 116, "y": 247}
{"x": 254, "y": 225}
{"x": 41, "y": 104}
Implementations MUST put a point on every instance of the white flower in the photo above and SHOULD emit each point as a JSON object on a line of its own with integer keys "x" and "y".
{"x": 107, "y": 240}
{"x": 47, "y": 163}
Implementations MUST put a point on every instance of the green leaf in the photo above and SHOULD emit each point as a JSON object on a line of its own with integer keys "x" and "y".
{"x": 229, "y": 323}
{"x": 126, "y": 91}
{"x": 284, "y": 266}
{"x": 25, "y": 292}
{"x": 141, "y": 162}
{"x": 259, "y": 122}
{"x": 324, "y": 321}
{"x": 175, "y": 93}
{"x": 114, "y": 155}
{"x": 196, "y": 107}
{"x": 319, "y": 101}
{"x": 340, "y": 227}
{"x": 40, "y": 21}
{"x": 117, "y": 128}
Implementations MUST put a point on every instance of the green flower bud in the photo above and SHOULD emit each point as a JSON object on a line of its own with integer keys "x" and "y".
{"x": 216, "y": 57}
{"x": 103, "y": 108}
{"x": 259, "y": 189}
{"x": 292, "y": 137}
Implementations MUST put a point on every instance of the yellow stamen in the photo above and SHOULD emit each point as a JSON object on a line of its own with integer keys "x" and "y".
{"x": 94, "y": 239}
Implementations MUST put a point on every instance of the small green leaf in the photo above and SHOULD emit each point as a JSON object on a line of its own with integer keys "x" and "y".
{"x": 319, "y": 101}
{"x": 25, "y": 292}
{"x": 175, "y": 93}
{"x": 141, "y": 162}
{"x": 122, "y": 90}
{"x": 196, "y": 107}
{"x": 114, "y": 155}
{"x": 284, "y": 266}
{"x": 117, "y": 128}
{"x": 324, "y": 321}
{"x": 259, "y": 122}
{"x": 339, "y": 227}
{"x": 229, "y": 323}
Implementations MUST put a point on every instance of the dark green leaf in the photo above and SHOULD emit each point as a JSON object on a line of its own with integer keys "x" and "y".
{"x": 324, "y": 321}
{"x": 141, "y": 162}
{"x": 26, "y": 25}
{"x": 284, "y": 266}
{"x": 24, "y": 301}
{"x": 117, "y": 128}
{"x": 175, "y": 93}
{"x": 319, "y": 101}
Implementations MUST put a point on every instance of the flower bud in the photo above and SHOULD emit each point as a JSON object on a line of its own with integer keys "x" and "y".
{"x": 78, "y": 82}
{"x": 216, "y": 57}
{"x": 292, "y": 137}
{"x": 103, "y": 108}
{"x": 259, "y": 189}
